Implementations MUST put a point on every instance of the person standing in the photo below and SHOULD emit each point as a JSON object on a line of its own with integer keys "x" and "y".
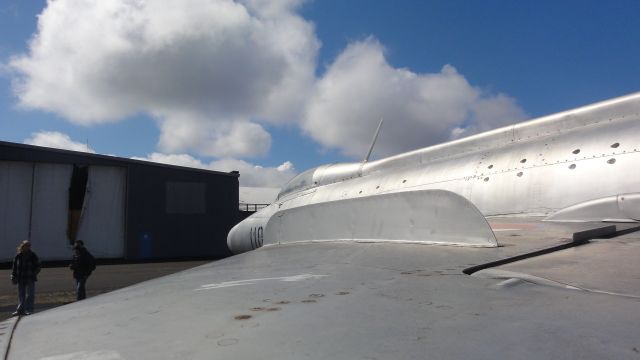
{"x": 24, "y": 273}
{"x": 82, "y": 265}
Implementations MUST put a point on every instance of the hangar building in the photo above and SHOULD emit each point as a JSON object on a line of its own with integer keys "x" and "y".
{"x": 120, "y": 208}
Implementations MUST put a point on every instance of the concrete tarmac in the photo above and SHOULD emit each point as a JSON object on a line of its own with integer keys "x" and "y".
{"x": 56, "y": 285}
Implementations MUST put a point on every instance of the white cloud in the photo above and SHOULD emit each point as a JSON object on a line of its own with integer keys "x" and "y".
{"x": 255, "y": 175}
{"x": 208, "y": 70}
{"x": 250, "y": 174}
{"x": 214, "y": 72}
{"x": 257, "y": 195}
{"x": 57, "y": 140}
{"x": 220, "y": 138}
{"x": 174, "y": 159}
{"x": 360, "y": 87}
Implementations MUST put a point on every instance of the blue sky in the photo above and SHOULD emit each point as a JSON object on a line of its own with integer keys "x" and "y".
{"x": 274, "y": 88}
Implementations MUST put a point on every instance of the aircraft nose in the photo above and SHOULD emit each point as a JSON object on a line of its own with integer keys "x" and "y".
{"x": 247, "y": 235}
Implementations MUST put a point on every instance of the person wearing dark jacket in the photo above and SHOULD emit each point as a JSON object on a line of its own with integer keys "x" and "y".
{"x": 82, "y": 264}
{"x": 24, "y": 273}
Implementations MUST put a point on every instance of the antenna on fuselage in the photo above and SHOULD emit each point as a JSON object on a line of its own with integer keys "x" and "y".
{"x": 373, "y": 142}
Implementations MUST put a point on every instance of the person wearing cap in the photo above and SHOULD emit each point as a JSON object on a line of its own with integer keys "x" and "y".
{"x": 24, "y": 273}
{"x": 82, "y": 264}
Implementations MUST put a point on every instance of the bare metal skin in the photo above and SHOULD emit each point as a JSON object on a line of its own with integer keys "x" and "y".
{"x": 578, "y": 165}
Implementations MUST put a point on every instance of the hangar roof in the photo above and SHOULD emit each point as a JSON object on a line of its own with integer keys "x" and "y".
{"x": 21, "y": 152}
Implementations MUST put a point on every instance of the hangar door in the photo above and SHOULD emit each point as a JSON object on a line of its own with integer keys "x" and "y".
{"x": 15, "y": 206}
{"x": 49, "y": 211}
{"x": 101, "y": 224}
{"x": 36, "y": 204}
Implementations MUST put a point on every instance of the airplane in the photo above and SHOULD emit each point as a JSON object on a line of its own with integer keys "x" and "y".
{"x": 520, "y": 242}
{"x": 551, "y": 167}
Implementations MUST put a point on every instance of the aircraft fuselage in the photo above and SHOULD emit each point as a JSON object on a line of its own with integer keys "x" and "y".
{"x": 535, "y": 168}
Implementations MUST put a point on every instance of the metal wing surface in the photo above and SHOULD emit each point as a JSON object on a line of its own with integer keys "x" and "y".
{"x": 349, "y": 300}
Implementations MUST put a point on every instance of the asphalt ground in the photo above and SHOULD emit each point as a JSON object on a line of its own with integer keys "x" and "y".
{"x": 56, "y": 285}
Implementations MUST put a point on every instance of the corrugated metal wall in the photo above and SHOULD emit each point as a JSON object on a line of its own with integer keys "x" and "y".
{"x": 15, "y": 205}
{"x": 101, "y": 225}
{"x": 34, "y": 204}
{"x": 173, "y": 213}
{"x": 50, "y": 211}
